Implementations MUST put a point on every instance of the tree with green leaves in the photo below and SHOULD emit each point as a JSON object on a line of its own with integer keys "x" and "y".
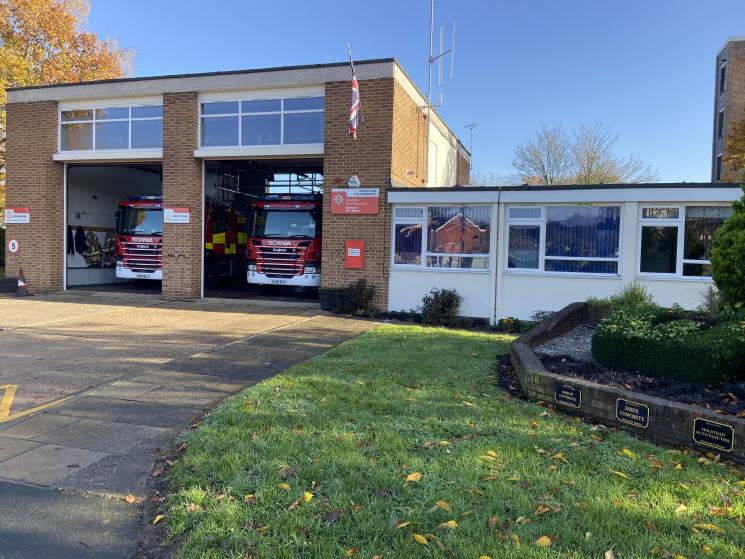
{"x": 728, "y": 255}
{"x": 734, "y": 148}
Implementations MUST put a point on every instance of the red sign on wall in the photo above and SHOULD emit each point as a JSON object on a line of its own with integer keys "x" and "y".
{"x": 17, "y": 215}
{"x": 360, "y": 201}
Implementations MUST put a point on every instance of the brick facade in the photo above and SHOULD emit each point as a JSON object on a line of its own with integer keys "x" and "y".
{"x": 410, "y": 140}
{"x": 733, "y": 103}
{"x": 463, "y": 173}
{"x": 35, "y": 181}
{"x": 182, "y": 187}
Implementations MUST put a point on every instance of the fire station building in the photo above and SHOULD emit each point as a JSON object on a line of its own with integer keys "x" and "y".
{"x": 75, "y": 152}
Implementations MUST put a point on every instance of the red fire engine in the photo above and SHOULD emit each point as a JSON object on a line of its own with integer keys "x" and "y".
{"x": 284, "y": 240}
{"x": 139, "y": 240}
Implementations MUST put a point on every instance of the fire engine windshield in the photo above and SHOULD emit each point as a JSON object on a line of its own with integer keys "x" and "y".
{"x": 286, "y": 224}
{"x": 139, "y": 221}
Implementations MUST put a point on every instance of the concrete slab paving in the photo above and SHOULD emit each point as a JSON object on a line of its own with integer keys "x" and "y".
{"x": 13, "y": 447}
{"x": 123, "y": 389}
{"x": 32, "y": 426}
{"x": 105, "y": 436}
{"x": 48, "y": 464}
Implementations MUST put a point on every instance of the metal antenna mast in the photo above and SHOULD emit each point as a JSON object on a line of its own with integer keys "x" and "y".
{"x": 470, "y": 128}
{"x": 441, "y": 54}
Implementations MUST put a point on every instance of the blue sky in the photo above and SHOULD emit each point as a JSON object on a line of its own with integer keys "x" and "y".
{"x": 644, "y": 67}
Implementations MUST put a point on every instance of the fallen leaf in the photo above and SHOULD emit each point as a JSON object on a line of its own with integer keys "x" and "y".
{"x": 250, "y": 498}
{"x": 449, "y": 525}
{"x": 416, "y": 476}
{"x": 294, "y": 504}
{"x": 620, "y": 474}
{"x": 284, "y": 486}
{"x": 626, "y": 452}
{"x": 678, "y": 466}
{"x": 491, "y": 453}
{"x": 191, "y": 507}
{"x": 484, "y": 557}
{"x": 263, "y": 528}
{"x": 542, "y": 509}
{"x": 352, "y": 551}
{"x": 492, "y": 523}
{"x": 130, "y": 498}
{"x": 710, "y": 528}
{"x": 307, "y": 497}
{"x": 681, "y": 509}
{"x": 158, "y": 518}
{"x": 516, "y": 541}
{"x": 588, "y": 535}
{"x": 488, "y": 478}
{"x": 443, "y": 505}
{"x": 609, "y": 554}
{"x": 707, "y": 549}
{"x": 443, "y": 443}
{"x": 402, "y": 525}
{"x": 418, "y": 538}
{"x": 544, "y": 541}
{"x": 467, "y": 403}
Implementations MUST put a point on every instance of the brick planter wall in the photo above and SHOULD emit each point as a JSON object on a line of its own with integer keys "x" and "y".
{"x": 666, "y": 421}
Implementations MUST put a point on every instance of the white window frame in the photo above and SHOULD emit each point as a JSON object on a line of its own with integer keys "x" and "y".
{"x": 541, "y": 270}
{"x": 93, "y": 107}
{"x": 425, "y": 233}
{"x": 679, "y": 223}
{"x": 261, "y": 96}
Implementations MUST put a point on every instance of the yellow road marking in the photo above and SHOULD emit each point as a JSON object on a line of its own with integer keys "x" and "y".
{"x": 7, "y": 402}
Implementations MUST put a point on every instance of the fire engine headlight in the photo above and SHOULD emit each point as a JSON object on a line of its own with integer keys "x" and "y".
{"x": 252, "y": 267}
{"x": 312, "y": 269}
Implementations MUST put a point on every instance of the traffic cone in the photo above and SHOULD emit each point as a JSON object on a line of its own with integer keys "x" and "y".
{"x": 22, "y": 289}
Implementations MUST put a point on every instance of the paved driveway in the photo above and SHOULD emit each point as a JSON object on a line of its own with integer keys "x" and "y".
{"x": 91, "y": 387}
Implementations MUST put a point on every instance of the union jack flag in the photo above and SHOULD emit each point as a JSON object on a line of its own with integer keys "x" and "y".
{"x": 354, "y": 111}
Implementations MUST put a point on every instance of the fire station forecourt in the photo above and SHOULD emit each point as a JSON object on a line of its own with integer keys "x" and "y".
{"x": 398, "y": 444}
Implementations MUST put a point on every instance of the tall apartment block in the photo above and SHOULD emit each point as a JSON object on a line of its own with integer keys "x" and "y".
{"x": 729, "y": 103}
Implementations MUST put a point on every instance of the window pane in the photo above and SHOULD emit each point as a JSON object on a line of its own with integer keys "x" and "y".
{"x": 112, "y": 135}
{"x": 581, "y": 266}
{"x": 697, "y": 270}
{"x": 463, "y": 262}
{"x": 79, "y": 114}
{"x": 701, "y": 224}
{"x": 583, "y": 231}
{"x": 409, "y": 212}
{"x": 407, "y": 247}
{"x": 220, "y": 131}
{"x": 304, "y": 103}
{"x": 661, "y": 213}
{"x": 459, "y": 230}
{"x": 113, "y": 112}
{"x": 261, "y": 106}
{"x": 260, "y": 130}
{"x": 303, "y": 128}
{"x": 221, "y": 108}
{"x": 525, "y": 213}
{"x": 659, "y": 250}
{"x": 147, "y": 134}
{"x": 77, "y": 136}
{"x": 149, "y": 111}
{"x": 524, "y": 246}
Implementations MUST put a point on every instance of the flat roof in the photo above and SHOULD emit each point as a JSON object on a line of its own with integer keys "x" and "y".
{"x": 551, "y": 187}
{"x": 206, "y": 74}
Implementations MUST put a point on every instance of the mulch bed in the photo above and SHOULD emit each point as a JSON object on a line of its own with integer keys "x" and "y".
{"x": 729, "y": 399}
{"x": 507, "y": 378}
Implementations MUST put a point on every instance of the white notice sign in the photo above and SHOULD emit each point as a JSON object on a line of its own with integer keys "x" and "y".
{"x": 17, "y": 215}
{"x": 175, "y": 215}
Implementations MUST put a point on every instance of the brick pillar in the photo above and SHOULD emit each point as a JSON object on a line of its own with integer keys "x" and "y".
{"x": 35, "y": 181}
{"x": 369, "y": 158}
{"x": 182, "y": 187}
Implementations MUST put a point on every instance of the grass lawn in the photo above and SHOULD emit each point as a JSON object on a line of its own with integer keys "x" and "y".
{"x": 315, "y": 462}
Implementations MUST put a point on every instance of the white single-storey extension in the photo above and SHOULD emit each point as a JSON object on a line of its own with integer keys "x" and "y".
{"x": 512, "y": 251}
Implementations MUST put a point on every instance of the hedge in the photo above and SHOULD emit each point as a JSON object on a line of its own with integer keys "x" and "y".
{"x": 686, "y": 350}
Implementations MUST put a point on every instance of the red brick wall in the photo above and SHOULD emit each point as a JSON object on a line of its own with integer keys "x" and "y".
{"x": 182, "y": 187}
{"x": 464, "y": 170}
{"x": 36, "y": 181}
{"x": 410, "y": 140}
{"x": 735, "y": 107}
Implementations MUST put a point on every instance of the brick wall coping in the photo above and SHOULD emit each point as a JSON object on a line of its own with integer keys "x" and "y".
{"x": 667, "y": 421}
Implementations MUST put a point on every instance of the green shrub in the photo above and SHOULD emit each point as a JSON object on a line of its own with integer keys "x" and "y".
{"x": 510, "y": 325}
{"x": 356, "y": 298}
{"x": 653, "y": 344}
{"x": 633, "y": 296}
{"x": 728, "y": 255}
{"x": 440, "y": 307}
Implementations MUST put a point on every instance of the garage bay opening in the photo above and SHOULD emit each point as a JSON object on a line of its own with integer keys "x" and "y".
{"x": 115, "y": 228}
{"x": 262, "y": 236}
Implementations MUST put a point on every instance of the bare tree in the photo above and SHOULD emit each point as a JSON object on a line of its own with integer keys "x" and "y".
{"x": 546, "y": 158}
{"x": 493, "y": 179}
{"x": 587, "y": 157}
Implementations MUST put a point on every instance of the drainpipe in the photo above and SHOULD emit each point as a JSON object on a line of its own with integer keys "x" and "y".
{"x": 497, "y": 255}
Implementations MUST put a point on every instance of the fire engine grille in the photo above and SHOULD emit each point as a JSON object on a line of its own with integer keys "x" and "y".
{"x": 142, "y": 257}
{"x": 279, "y": 262}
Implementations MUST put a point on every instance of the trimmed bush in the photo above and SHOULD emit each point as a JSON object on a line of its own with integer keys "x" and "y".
{"x": 728, "y": 255}
{"x": 440, "y": 307}
{"x": 651, "y": 343}
{"x": 356, "y": 298}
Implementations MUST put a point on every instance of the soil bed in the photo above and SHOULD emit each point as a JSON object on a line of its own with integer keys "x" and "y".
{"x": 566, "y": 355}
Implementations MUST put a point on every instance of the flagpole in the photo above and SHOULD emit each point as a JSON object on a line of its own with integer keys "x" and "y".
{"x": 351, "y": 63}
